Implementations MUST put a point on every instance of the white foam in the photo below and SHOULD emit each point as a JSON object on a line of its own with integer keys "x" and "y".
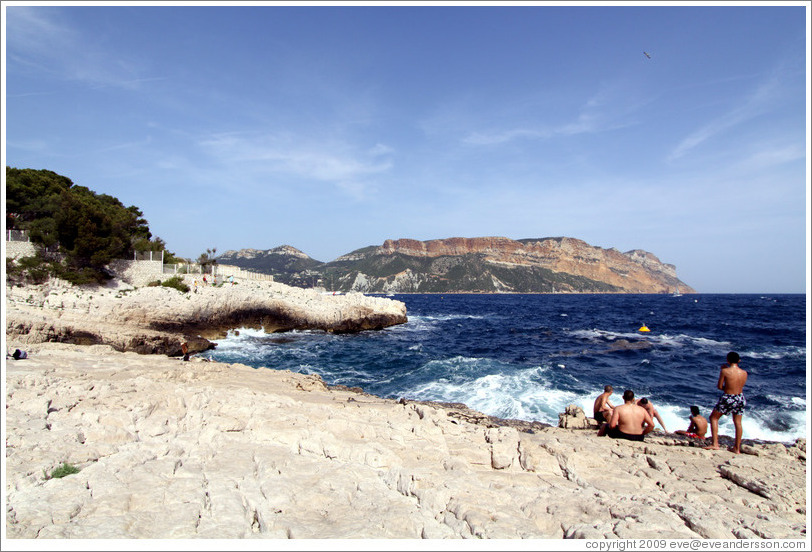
{"x": 521, "y": 396}
{"x": 505, "y": 395}
{"x": 777, "y": 353}
{"x": 678, "y": 340}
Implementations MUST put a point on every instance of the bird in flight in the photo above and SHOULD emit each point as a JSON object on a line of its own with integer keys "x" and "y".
{"x": 647, "y": 55}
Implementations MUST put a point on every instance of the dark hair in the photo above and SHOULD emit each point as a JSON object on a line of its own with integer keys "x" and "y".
{"x": 643, "y": 401}
{"x": 733, "y": 358}
{"x": 628, "y": 395}
{"x": 695, "y": 410}
{"x": 608, "y": 388}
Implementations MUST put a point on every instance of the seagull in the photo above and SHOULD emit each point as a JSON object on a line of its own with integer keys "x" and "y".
{"x": 647, "y": 55}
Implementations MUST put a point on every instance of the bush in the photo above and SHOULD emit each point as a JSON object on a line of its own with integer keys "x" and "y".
{"x": 33, "y": 270}
{"x": 62, "y": 471}
{"x": 177, "y": 283}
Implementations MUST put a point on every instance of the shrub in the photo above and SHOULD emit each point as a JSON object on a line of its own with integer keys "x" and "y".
{"x": 177, "y": 283}
{"x": 62, "y": 471}
{"x": 36, "y": 269}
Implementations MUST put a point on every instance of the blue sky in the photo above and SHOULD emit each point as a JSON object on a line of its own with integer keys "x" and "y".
{"x": 331, "y": 128}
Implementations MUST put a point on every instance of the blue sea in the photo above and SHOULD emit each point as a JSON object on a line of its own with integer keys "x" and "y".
{"x": 529, "y": 356}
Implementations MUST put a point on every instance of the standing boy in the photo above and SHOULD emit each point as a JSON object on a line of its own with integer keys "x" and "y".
{"x": 731, "y": 381}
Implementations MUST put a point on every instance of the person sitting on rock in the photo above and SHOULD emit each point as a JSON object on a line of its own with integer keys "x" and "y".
{"x": 602, "y": 409}
{"x": 18, "y": 354}
{"x": 645, "y": 403}
{"x": 630, "y": 421}
{"x": 698, "y": 426}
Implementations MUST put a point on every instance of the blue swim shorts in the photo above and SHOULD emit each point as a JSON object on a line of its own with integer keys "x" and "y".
{"x": 731, "y": 404}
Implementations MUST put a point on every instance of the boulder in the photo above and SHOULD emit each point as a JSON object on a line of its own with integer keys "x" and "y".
{"x": 573, "y": 417}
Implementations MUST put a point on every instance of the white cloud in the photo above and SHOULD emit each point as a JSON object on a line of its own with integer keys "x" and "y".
{"x": 601, "y": 112}
{"x": 752, "y": 106}
{"x": 490, "y": 139}
{"x": 339, "y": 164}
{"x": 772, "y": 156}
{"x": 42, "y": 40}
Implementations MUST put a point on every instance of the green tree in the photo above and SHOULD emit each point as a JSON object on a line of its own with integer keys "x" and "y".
{"x": 207, "y": 259}
{"x": 89, "y": 229}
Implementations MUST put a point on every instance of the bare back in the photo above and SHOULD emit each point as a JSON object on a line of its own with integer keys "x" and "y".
{"x": 732, "y": 379}
{"x": 699, "y": 425}
{"x": 602, "y": 403}
{"x": 630, "y": 419}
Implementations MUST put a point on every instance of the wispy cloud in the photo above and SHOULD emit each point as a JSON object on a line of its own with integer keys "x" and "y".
{"x": 337, "y": 163}
{"x": 771, "y": 156}
{"x": 41, "y": 39}
{"x": 752, "y": 106}
{"x": 501, "y": 137}
{"x": 599, "y": 113}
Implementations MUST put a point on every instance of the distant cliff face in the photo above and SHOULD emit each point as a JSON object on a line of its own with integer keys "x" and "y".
{"x": 284, "y": 262}
{"x": 486, "y": 264}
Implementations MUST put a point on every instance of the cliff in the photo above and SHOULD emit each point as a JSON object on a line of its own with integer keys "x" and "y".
{"x": 156, "y": 320}
{"x": 485, "y": 264}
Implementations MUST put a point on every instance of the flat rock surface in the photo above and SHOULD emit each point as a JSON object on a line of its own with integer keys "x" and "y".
{"x": 154, "y": 320}
{"x": 173, "y": 449}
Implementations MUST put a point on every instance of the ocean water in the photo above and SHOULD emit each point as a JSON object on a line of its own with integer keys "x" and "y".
{"x": 529, "y": 356}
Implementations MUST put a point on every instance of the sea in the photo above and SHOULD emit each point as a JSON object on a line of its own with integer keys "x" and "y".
{"x": 529, "y": 356}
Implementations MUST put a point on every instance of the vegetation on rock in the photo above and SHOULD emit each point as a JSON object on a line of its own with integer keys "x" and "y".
{"x": 175, "y": 282}
{"x": 62, "y": 471}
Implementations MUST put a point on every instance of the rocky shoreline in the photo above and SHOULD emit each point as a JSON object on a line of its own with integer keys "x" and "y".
{"x": 198, "y": 449}
{"x": 157, "y": 320}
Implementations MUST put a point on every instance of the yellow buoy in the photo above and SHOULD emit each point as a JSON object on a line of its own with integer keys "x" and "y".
{"x": 643, "y": 328}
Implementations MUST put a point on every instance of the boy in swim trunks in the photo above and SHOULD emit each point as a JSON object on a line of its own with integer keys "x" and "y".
{"x": 698, "y": 426}
{"x": 731, "y": 381}
{"x": 602, "y": 409}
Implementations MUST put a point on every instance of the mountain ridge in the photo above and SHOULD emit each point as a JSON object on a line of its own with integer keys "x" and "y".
{"x": 479, "y": 264}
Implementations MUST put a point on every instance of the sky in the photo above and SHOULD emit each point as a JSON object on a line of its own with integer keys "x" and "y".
{"x": 334, "y": 127}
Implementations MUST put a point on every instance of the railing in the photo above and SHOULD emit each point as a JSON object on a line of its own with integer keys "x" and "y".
{"x": 148, "y": 256}
{"x": 17, "y": 235}
{"x": 182, "y": 268}
{"x": 222, "y": 271}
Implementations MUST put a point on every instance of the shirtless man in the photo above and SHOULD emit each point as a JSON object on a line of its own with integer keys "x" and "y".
{"x": 602, "y": 409}
{"x": 731, "y": 381}
{"x": 630, "y": 421}
{"x": 698, "y": 426}
{"x": 645, "y": 403}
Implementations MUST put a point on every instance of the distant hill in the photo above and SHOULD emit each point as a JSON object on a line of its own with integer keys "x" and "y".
{"x": 485, "y": 265}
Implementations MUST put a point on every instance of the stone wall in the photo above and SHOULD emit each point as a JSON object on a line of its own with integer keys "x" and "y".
{"x": 138, "y": 273}
{"x": 19, "y": 249}
{"x": 141, "y": 273}
{"x": 224, "y": 271}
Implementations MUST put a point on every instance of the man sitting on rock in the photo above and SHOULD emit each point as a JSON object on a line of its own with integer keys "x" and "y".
{"x": 645, "y": 403}
{"x": 698, "y": 426}
{"x": 630, "y": 421}
{"x": 602, "y": 409}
